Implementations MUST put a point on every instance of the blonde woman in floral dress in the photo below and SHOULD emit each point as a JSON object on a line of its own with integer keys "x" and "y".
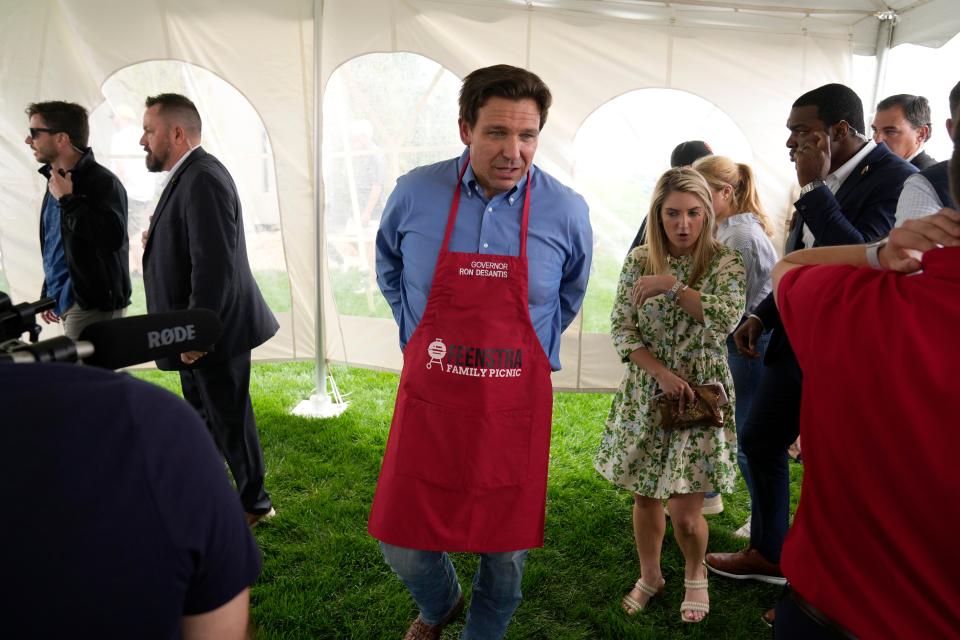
{"x": 678, "y": 298}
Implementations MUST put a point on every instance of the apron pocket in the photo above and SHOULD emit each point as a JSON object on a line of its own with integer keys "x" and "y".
{"x": 501, "y": 454}
{"x": 460, "y": 448}
{"x": 433, "y": 445}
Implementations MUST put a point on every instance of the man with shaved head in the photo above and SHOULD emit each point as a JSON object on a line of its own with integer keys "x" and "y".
{"x": 849, "y": 190}
{"x": 195, "y": 257}
{"x": 879, "y": 355}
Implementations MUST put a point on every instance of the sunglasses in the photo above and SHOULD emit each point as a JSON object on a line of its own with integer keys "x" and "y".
{"x": 35, "y": 131}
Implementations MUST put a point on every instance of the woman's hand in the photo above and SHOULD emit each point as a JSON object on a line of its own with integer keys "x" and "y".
{"x": 673, "y": 386}
{"x": 647, "y": 287}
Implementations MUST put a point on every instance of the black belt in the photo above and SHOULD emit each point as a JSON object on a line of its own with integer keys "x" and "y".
{"x": 816, "y": 615}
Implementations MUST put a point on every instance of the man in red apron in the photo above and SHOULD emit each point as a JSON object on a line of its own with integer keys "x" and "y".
{"x": 484, "y": 260}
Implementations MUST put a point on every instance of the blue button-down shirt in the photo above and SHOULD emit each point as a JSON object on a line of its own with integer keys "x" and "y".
{"x": 559, "y": 243}
{"x": 56, "y": 283}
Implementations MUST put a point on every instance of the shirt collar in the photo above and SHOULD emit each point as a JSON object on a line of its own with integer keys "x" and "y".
{"x": 919, "y": 151}
{"x": 744, "y": 217}
{"x": 173, "y": 169}
{"x": 86, "y": 156}
{"x": 837, "y": 178}
{"x": 473, "y": 187}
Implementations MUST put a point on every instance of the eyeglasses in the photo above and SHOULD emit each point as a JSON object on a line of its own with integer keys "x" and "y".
{"x": 35, "y": 131}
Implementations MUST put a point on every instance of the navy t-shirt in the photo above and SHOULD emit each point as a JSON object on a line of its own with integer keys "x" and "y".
{"x": 117, "y": 515}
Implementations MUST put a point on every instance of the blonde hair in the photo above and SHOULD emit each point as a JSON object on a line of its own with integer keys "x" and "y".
{"x": 720, "y": 172}
{"x": 682, "y": 180}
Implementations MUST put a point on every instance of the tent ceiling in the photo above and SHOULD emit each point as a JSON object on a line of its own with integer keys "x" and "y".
{"x": 926, "y": 22}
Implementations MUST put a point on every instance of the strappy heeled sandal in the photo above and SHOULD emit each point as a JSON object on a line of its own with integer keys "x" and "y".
{"x": 690, "y": 605}
{"x": 631, "y": 606}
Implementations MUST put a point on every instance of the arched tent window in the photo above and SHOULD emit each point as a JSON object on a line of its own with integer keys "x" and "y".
{"x": 232, "y": 131}
{"x": 384, "y": 114}
{"x": 621, "y": 151}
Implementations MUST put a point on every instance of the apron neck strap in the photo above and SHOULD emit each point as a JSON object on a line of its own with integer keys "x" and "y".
{"x": 455, "y": 206}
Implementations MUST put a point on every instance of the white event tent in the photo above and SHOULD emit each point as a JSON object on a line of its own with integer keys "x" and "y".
{"x": 746, "y": 59}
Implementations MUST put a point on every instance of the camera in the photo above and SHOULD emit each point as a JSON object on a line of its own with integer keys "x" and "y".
{"x": 110, "y": 344}
{"x": 15, "y": 320}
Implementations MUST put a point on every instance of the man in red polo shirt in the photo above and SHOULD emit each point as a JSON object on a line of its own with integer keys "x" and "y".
{"x": 880, "y": 350}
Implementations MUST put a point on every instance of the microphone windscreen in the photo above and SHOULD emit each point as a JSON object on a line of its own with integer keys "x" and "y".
{"x": 128, "y": 341}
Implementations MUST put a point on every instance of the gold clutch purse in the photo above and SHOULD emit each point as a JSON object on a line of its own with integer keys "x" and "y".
{"x": 706, "y": 409}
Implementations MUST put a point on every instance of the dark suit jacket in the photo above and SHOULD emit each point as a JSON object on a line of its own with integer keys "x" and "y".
{"x": 922, "y": 161}
{"x": 863, "y": 210}
{"x": 196, "y": 257}
{"x": 93, "y": 230}
{"x": 939, "y": 178}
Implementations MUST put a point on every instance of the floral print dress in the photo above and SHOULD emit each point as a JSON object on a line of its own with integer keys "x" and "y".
{"x": 635, "y": 452}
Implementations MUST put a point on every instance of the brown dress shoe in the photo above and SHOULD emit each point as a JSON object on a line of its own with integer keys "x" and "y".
{"x": 420, "y": 630}
{"x": 745, "y": 565}
{"x": 769, "y": 617}
{"x": 253, "y": 519}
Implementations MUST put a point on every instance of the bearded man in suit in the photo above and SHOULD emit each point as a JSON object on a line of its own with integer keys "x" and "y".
{"x": 195, "y": 257}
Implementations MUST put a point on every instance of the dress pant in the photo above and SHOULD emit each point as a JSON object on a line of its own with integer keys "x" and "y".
{"x": 793, "y": 623}
{"x": 75, "y": 319}
{"x": 771, "y": 427}
{"x": 221, "y": 395}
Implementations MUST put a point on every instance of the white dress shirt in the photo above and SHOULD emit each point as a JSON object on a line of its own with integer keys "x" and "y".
{"x": 918, "y": 199}
{"x": 837, "y": 178}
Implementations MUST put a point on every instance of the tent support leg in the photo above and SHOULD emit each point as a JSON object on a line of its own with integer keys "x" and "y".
{"x": 320, "y": 404}
{"x": 888, "y": 21}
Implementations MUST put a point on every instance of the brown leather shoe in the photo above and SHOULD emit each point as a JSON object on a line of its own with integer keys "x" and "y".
{"x": 769, "y": 617}
{"x": 253, "y": 519}
{"x": 420, "y": 630}
{"x": 745, "y": 565}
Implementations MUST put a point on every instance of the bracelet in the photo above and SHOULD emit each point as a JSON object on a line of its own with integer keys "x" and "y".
{"x": 873, "y": 253}
{"x": 675, "y": 290}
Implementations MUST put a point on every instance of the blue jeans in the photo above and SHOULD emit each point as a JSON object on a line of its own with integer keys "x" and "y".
{"x": 432, "y": 581}
{"x": 746, "y": 377}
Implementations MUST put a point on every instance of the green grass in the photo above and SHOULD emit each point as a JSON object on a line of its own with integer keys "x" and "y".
{"x": 600, "y": 293}
{"x": 275, "y": 287}
{"x": 323, "y": 576}
{"x": 356, "y": 294}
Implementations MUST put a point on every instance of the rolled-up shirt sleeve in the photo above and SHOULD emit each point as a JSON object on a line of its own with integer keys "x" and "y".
{"x": 918, "y": 199}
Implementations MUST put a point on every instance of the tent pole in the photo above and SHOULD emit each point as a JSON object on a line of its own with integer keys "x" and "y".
{"x": 321, "y": 343}
{"x": 319, "y": 405}
{"x": 888, "y": 20}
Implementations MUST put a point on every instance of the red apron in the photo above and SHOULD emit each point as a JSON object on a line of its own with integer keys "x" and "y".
{"x": 466, "y": 462}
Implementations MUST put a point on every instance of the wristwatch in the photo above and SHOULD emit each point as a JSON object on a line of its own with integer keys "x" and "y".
{"x": 810, "y": 186}
{"x": 873, "y": 253}
{"x": 675, "y": 290}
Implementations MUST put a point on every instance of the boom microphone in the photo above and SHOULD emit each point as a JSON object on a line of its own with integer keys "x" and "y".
{"x": 127, "y": 341}
{"x": 60, "y": 349}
